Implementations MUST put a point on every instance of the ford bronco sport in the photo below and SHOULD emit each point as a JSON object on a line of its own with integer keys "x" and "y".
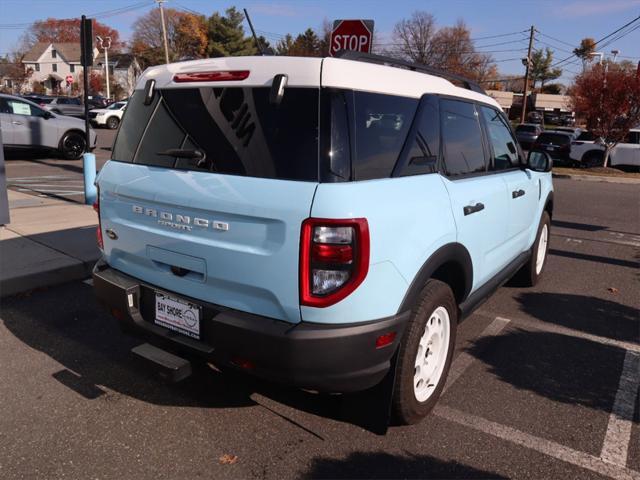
{"x": 318, "y": 222}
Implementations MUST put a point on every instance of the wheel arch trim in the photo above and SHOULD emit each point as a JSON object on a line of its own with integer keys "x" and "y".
{"x": 451, "y": 252}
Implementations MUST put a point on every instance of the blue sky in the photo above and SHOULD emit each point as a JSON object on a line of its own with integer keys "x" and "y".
{"x": 561, "y": 23}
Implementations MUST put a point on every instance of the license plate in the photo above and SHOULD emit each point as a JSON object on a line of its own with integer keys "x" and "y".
{"x": 178, "y": 315}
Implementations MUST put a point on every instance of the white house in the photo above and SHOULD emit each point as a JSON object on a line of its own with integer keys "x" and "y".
{"x": 51, "y": 63}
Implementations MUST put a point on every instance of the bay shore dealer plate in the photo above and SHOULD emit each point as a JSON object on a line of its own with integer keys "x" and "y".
{"x": 178, "y": 315}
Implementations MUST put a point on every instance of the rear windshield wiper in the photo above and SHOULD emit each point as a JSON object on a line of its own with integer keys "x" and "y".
{"x": 194, "y": 154}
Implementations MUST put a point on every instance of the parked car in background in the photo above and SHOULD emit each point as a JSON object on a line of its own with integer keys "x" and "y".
{"x": 588, "y": 151}
{"x": 555, "y": 143}
{"x": 71, "y": 106}
{"x": 98, "y": 101}
{"x": 551, "y": 118}
{"x": 41, "y": 100}
{"x": 535, "y": 117}
{"x": 108, "y": 117}
{"x": 527, "y": 133}
{"x": 567, "y": 120}
{"x": 574, "y": 131}
{"x": 27, "y": 126}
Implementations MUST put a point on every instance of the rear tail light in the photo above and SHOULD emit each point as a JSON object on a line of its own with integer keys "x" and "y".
{"x": 216, "y": 76}
{"x": 96, "y": 207}
{"x": 334, "y": 259}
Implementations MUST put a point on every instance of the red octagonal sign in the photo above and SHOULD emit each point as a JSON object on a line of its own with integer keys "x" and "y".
{"x": 354, "y": 35}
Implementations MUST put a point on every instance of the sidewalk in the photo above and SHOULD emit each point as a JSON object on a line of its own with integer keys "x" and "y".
{"x": 47, "y": 242}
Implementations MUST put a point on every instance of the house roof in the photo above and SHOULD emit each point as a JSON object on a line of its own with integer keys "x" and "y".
{"x": 67, "y": 50}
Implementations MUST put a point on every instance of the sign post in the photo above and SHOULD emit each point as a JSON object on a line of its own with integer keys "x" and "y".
{"x": 86, "y": 60}
{"x": 356, "y": 35}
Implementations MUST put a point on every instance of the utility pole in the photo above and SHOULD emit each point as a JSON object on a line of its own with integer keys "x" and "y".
{"x": 526, "y": 76}
{"x": 164, "y": 31}
{"x": 106, "y": 44}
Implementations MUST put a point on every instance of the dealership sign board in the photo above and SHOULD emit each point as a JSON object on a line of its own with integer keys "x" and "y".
{"x": 354, "y": 35}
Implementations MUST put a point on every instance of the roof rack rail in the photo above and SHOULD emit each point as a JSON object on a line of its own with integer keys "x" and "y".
{"x": 416, "y": 67}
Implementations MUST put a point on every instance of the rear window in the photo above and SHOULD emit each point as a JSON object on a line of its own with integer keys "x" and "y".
{"x": 555, "y": 138}
{"x": 236, "y": 131}
{"x": 526, "y": 128}
{"x": 586, "y": 137}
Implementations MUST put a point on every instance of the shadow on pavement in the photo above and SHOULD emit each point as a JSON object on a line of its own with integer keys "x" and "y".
{"x": 586, "y": 314}
{"x": 594, "y": 258}
{"x": 386, "y": 465}
{"x": 577, "y": 226}
{"x": 68, "y": 326}
{"x": 558, "y": 367}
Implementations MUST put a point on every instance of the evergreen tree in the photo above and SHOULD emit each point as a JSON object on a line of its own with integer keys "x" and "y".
{"x": 226, "y": 35}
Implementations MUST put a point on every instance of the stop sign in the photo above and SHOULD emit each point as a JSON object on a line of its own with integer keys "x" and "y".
{"x": 354, "y": 35}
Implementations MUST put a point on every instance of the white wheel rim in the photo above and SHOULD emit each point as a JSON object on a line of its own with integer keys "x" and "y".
{"x": 542, "y": 248}
{"x": 432, "y": 354}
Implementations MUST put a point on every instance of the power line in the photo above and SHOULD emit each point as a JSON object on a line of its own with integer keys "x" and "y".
{"x": 600, "y": 41}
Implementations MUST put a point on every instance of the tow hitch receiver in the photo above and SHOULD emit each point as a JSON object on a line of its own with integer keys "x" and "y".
{"x": 167, "y": 365}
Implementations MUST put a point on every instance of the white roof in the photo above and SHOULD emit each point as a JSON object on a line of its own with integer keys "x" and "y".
{"x": 306, "y": 72}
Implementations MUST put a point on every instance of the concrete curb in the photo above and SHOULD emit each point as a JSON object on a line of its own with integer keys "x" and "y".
{"x": 598, "y": 178}
{"x": 45, "y": 278}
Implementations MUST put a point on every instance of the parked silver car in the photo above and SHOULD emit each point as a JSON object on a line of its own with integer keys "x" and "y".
{"x": 64, "y": 106}
{"x": 25, "y": 125}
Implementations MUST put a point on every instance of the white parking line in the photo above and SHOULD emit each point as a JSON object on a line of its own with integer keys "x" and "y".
{"x": 553, "y": 328}
{"x": 62, "y": 192}
{"x": 616, "y": 441}
{"x": 54, "y": 185}
{"x": 462, "y": 361}
{"x": 39, "y": 177}
{"x": 542, "y": 445}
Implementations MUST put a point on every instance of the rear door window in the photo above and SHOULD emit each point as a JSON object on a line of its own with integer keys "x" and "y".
{"x": 503, "y": 145}
{"x": 381, "y": 126}
{"x": 462, "y": 138}
{"x": 236, "y": 131}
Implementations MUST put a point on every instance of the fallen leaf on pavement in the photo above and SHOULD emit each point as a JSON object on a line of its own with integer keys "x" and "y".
{"x": 613, "y": 290}
{"x": 228, "y": 459}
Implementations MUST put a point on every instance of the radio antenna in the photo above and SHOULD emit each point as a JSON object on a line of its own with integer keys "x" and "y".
{"x": 253, "y": 32}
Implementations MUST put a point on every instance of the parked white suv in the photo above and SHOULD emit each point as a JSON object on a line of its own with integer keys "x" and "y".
{"x": 109, "y": 117}
{"x": 590, "y": 152}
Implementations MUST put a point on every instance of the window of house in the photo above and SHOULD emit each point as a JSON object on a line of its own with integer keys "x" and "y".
{"x": 54, "y": 67}
{"x": 54, "y": 54}
{"x": 461, "y": 138}
{"x": 72, "y": 68}
{"x": 37, "y": 67}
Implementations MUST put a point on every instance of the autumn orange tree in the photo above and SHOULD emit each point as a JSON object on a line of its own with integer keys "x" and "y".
{"x": 609, "y": 95}
{"x": 68, "y": 30}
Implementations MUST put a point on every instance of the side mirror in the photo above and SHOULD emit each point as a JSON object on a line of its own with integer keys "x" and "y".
{"x": 47, "y": 115}
{"x": 149, "y": 91}
{"x": 539, "y": 161}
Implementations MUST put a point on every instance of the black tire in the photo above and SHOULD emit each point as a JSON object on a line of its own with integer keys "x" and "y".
{"x": 72, "y": 145}
{"x": 529, "y": 275}
{"x": 112, "y": 123}
{"x": 406, "y": 407}
{"x": 592, "y": 159}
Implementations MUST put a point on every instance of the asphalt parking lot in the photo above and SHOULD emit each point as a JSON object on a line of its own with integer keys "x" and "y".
{"x": 544, "y": 384}
{"x": 41, "y": 175}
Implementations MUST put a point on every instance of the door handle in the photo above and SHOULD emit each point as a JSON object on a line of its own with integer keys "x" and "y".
{"x": 16, "y": 123}
{"x": 469, "y": 209}
{"x": 517, "y": 193}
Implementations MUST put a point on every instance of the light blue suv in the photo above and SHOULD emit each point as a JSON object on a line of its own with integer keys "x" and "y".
{"x": 324, "y": 223}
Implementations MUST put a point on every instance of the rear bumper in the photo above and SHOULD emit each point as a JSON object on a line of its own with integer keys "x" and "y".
{"x": 328, "y": 358}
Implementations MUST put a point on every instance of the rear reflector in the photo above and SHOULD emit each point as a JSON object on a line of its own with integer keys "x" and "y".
{"x": 218, "y": 76}
{"x": 386, "y": 339}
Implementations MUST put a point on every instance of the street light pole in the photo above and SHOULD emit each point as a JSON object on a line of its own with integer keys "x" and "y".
{"x": 164, "y": 31}
{"x": 106, "y": 43}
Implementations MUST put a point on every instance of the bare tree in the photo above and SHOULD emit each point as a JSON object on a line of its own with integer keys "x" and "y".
{"x": 413, "y": 37}
{"x": 449, "y": 48}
